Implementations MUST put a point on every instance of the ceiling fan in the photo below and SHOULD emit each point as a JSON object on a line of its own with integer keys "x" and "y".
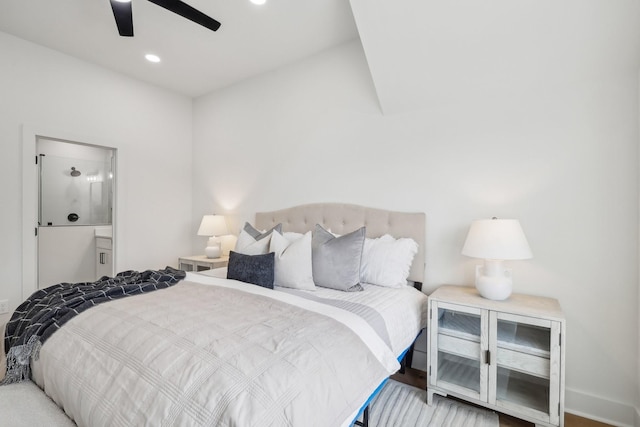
{"x": 123, "y": 14}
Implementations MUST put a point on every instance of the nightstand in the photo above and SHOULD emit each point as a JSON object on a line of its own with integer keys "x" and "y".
{"x": 504, "y": 355}
{"x": 201, "y": 262}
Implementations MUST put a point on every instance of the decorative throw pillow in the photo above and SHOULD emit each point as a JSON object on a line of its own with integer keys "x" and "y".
{"x": 291, "y": 235}
{"x": 292, "y": 260}
{"x": 254, "y": 242}
{"x": 387, "y": 261}
{"x": 254, "y": 269}
{"x": 336, "y": 260}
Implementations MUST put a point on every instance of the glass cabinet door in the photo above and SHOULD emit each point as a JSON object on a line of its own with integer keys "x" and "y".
{"x": 525, "y": 372}
{"x": 458, "y": 358}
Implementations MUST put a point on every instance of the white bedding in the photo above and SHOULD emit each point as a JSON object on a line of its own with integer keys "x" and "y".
{"x": 404, "y": 309}
{"x": 221, "y": 355}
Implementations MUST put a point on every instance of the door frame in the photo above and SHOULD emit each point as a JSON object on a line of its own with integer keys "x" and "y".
{"x": 29, "y": 138}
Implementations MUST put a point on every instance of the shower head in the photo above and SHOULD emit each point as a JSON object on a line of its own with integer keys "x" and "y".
{"x": 75, "y": 172}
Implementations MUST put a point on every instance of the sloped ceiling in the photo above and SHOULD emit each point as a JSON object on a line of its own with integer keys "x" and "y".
{"x": 421, "y": 53}
{"x": 425, "y": 53}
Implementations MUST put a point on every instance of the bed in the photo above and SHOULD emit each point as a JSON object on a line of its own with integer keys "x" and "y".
{"x": 214, "y": 351}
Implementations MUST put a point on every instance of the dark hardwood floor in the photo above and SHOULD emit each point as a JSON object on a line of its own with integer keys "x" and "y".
{"x": 418, "y": 379}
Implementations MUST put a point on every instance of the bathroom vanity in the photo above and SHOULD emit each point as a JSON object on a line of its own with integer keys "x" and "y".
{"x": 104, "y": 260}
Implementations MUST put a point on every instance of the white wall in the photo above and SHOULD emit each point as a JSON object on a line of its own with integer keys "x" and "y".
{"x": 561, "y": 156}
{"x": 637, "y": 415}
{"x": 150, "y": 127}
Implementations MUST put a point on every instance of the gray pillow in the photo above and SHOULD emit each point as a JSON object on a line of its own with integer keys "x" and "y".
{"x": 253, "y": 242}
{"x": 336, "y": 260}
{"x": 254, "y": 269}
{"x": 258, "y": 235}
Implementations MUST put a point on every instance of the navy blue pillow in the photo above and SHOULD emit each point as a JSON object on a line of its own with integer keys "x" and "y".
{"x": 254, "y": 269}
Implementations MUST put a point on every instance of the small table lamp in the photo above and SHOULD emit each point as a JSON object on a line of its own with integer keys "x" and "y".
{"x": 214, "y": 226}
{"x": 495, "y": 240}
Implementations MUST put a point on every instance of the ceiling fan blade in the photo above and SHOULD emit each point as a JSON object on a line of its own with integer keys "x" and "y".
{"x": 124, "y": 17}
{"x": 186, "y": 11}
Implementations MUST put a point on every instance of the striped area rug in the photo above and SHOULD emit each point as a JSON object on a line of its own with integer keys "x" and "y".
{"x": 399, "y": 405}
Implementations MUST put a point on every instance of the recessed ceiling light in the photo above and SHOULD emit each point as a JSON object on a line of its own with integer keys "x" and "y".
{"x": 152, "y": 58}
{"x": 258, "y": 1}
{"x": 123, "y": 1}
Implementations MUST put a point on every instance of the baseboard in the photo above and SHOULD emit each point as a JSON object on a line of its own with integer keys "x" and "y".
{"x": 600, "y": 409}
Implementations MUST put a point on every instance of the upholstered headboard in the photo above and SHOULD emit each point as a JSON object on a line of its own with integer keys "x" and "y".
{"x": 343, "y": 218}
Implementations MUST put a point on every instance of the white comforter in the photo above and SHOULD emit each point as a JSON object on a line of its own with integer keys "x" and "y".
{"x": 404, "y": 310}
{"x": 222, "y": 355}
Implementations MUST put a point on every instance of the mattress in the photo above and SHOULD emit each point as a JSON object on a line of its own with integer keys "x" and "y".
{"x": 211, "y": 351}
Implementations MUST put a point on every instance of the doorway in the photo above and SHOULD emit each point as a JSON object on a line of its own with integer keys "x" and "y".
{"x": 69, "y": 205}
{"x": 75, "y": 211}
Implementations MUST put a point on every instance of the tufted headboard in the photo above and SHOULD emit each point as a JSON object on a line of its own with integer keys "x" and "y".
{"x": 343, "y": 218}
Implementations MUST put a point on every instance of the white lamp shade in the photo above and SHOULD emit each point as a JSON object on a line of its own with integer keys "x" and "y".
{"x": 499, "y": 239}
{"x": 213, "y": 225}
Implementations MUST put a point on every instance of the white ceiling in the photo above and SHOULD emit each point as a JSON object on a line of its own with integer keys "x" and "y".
{"x": 252, "y": 39}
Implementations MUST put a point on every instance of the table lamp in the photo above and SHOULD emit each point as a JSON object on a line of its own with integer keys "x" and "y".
{"x": 495, "y": 240}
{"x": 213, "y": 226}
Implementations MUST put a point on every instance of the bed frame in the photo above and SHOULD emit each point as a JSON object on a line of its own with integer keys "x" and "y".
{"x": 343, "y": 218}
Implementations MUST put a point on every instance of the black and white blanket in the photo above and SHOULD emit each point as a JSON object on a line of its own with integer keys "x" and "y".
{"x": 42, "y": 314}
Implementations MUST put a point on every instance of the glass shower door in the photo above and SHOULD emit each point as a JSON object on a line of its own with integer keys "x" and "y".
{"x": 75, "y": 191}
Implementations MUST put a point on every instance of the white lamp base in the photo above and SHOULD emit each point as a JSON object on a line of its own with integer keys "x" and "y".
{"x": 493, "y": 281}
{"x": 213, "y": 249}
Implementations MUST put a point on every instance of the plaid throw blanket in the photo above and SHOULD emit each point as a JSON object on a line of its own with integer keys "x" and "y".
{"x": 36, "y": 319}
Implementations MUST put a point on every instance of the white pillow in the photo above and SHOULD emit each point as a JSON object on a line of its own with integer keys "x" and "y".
{"x": 293, "y": 268}
{"x": 291, "y": 236}
{"x": 253, "y": 242}
{"x": 387, "y": 261}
